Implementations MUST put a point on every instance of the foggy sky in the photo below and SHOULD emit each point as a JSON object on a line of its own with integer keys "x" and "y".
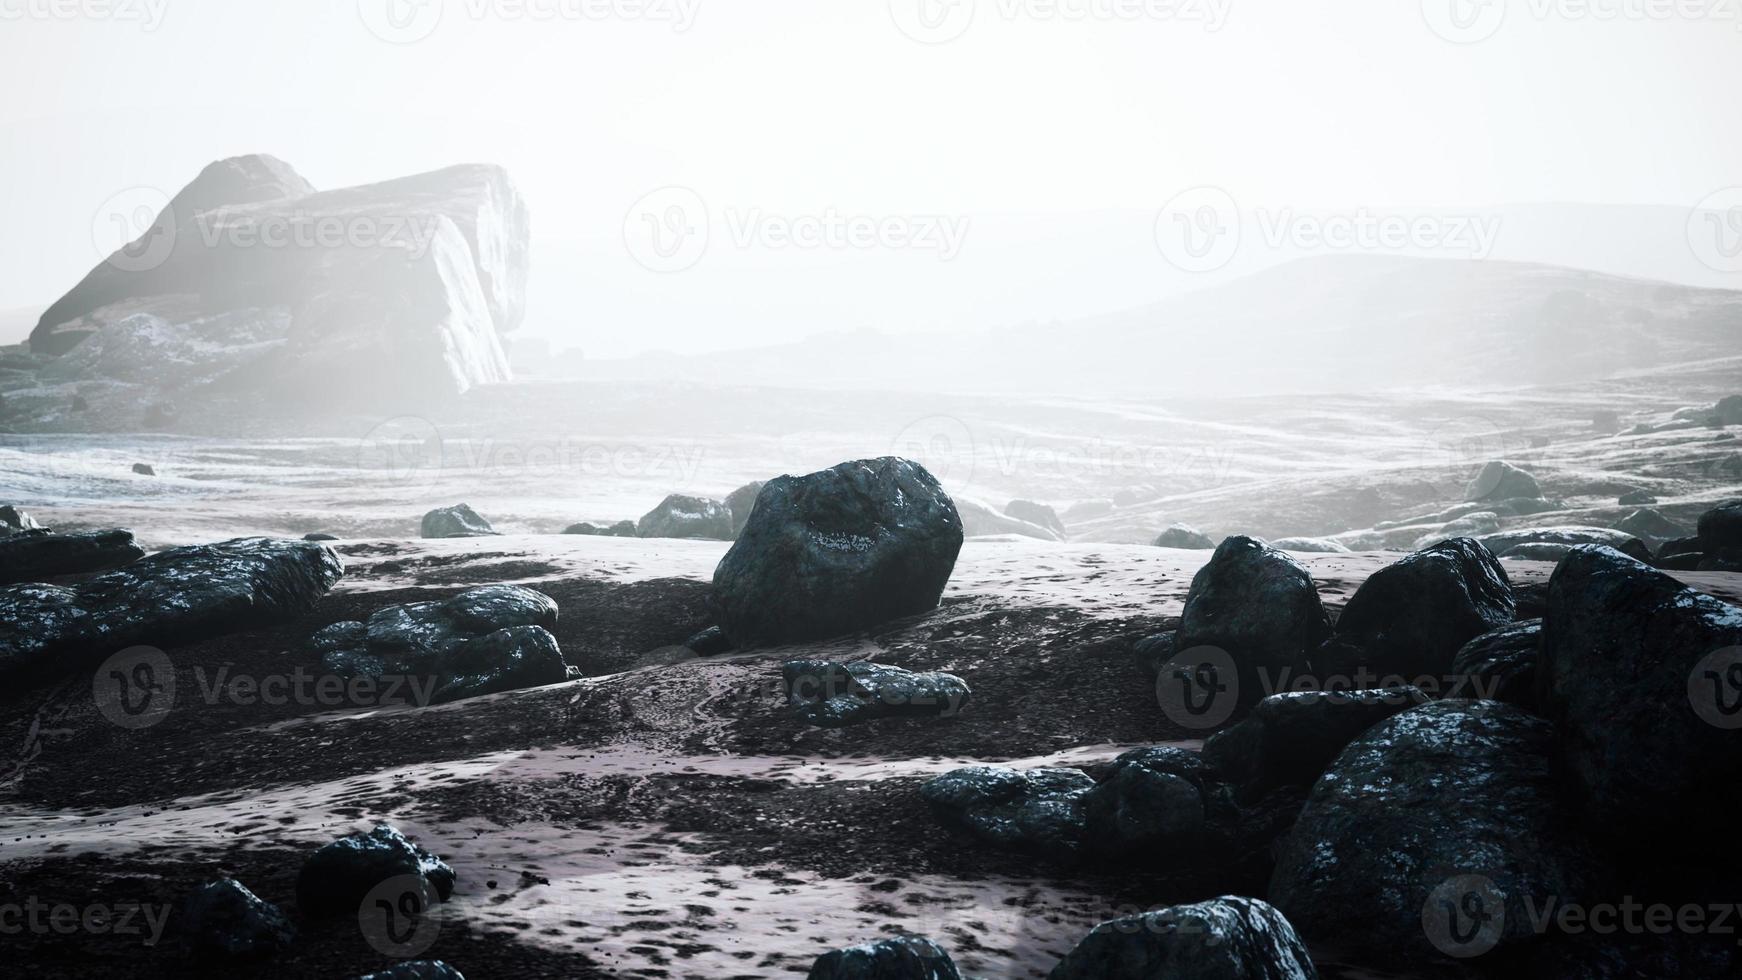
{"x": 1050, "y": 141}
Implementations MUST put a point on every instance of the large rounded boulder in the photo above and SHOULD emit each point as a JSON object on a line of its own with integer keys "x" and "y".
{"x": 838, "y": 551}
{"x": 1642, "y": 677}
{"x": 1409, "y": 619}
{"x": 1225, "y": 939}
{"x": 1434, "y": 837}
{"x": 1259, "y": 606}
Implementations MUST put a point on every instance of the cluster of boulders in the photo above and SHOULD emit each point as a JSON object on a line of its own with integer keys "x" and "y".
{"x": 377, "y": 874}
{"x": 1415, "y": 826}
{"x": 483, "y": 641}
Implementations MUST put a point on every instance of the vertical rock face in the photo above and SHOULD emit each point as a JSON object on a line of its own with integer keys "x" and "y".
{"x": 1643, "y": 678}
{"x": 250, "y": 281}
{"x": 838, "y": 551}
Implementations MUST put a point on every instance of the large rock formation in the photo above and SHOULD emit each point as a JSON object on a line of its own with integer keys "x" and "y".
{"x": 37, "y": 555}
{"x": 838, "y": 551}
{"x": 170, "y": 598}
{"x": 251, "y": 283}
{"x": 1643, "y": 679}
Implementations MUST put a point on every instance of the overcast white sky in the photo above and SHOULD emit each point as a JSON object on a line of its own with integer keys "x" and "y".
{"x": 1054, "y": 136}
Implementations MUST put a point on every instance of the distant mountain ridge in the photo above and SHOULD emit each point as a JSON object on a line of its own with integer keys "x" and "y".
{"x": 1333, "y": 324}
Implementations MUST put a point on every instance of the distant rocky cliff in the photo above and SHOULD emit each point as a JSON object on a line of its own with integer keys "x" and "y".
{"x": 250, "y": 286}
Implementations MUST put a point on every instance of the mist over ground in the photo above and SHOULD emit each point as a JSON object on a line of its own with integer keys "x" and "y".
{"x": 1086, "y": 490}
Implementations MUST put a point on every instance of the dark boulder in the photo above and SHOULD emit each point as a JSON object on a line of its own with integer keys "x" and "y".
{"x": 681, "y": 516}
{"x": 336, "y": 878}
{"x": 1259, "y": 606}
{"x": 1149, "y": 807}
{"x": 223, "y": 918}
{"x": 35, "y": 556}
{"x": 458, "y": 521}
{"x": 1651, "y": 526}
{"x": 1501, "y": 665}
{"x": 831, "y": 695}
{"x": 1568, "y": 537}
{"x": 1288, "y": 740}
{"x": 1680, "y": 546}
{"x": 144, "y": 469}
{"x": 710, "y": 642}
{"x": 900, "y": 958}
{"x": 741, "y": 502}
{"x": 1721, "y": 528}
{"x": 1643, "y": 678}
{"x": 1154, "y": 652}
{"x": 320, "y": 536}
{"x": 484, "y": 641}
{"x": 838, "y": 551}
{"x": 1040, "y": 810}
{"x": 1186, "y": 538}
{"x": 1502, "y": 481}
{"x": 1449, "y": 817}
{"x": 1409, "y": 618}
{"x": 1227, "y": 938}
{"x": 621, "y": 529}
{"x": 170, "y": 598}
{"x": 1038, "y": 514}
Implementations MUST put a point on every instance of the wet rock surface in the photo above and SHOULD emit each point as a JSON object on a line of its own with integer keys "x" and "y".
{"x": 1227, "y": 938}
{"x": 1640, "y": 675}
{"x": 1040, "y": 810}
{"x": 458, "y": 521}
{"x": 1454, "y": 801}
{"x": 223, "y": 919}
{"x": 900, "y": 958}
{"x": 1409, "y": 619}
{"x": 833, "y": 695}
{"x": 169, "y": 598}
{"x": 1501, "y": 665}
{"x": 1261, "y": 607}
{"x": 37, "y": 555}
{"x": 1568, "y": 538}
{"x": 337, "y": 878}
{"x": 1288, "y": 740}
{"x": 682, "y": 516}
{"x": 484, "y": 641}
{"x": 838, "y": 551}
